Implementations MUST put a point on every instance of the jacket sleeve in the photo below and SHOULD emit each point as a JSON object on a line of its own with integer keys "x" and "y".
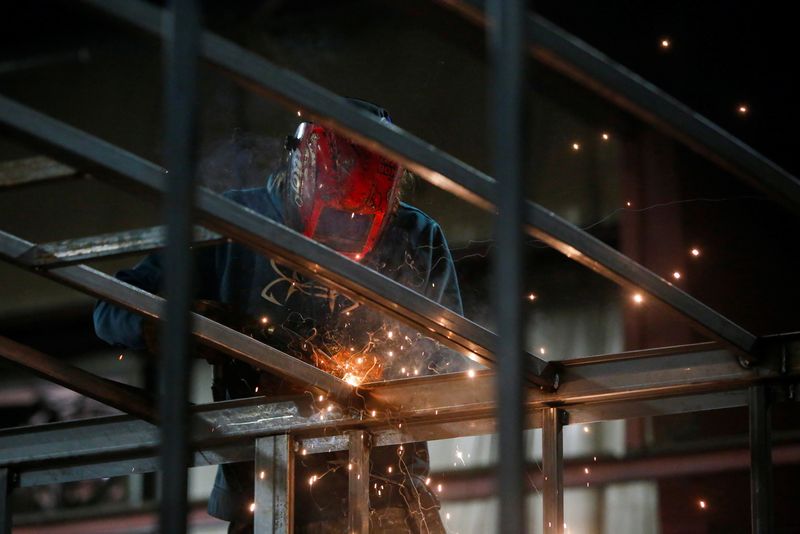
{"x": 442, "y": 287}
{"x": 121, "y": 327}
{"x": 442, "y": 283}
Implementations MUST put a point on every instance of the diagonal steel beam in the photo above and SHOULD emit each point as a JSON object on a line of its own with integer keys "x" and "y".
{"x": 440, "y": 169}
{"x": 123, "y": 397}
{"x": 236, "y": 344}
{"x": 105, "y": 246}
{"x": 589, "y": 67}
{"x": 264, "y": 235}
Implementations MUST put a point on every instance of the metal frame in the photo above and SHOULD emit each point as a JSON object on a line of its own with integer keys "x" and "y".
{"x": 359, "y": 443}
{"x": 762, "y": 520}
{"x": 273, "y": 507}
{"x": 678, "y": 379}
{"x": 666, "y": 380}
{"x": 106, "y": 246}
{"x": 5, "y": 500}
{"x": 553, "y": 470}
{"x": 181, "y": 45}
{"x": 440, "y": 169}
{"x": 507, "y": 105}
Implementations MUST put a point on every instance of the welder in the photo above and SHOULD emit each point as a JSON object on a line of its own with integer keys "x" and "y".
{"x": 346, "y": 197}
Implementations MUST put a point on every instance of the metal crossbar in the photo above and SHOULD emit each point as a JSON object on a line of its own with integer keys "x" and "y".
{"x": 106, "y": 246}
{"x": 600, "y": 388}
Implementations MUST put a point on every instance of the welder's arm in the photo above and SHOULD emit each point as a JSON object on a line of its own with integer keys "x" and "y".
{"x": 442, "y": 285}
{"x": 121, "y": 327}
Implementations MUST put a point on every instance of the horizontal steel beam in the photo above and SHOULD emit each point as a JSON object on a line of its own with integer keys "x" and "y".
{"x": 123, "y": 397}
{"x": 674, "y": 380}
{"x": 105, "y": 246}
{"x": 268, "y": 237}
{"x": 589, "y": 67}
{"x": 440, "y": 169}
{"x": 29, "y": 171}
{"x": 213, "y": 334}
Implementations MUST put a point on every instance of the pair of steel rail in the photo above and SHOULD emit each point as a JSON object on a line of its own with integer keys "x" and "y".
{"x": 643, "y": 383}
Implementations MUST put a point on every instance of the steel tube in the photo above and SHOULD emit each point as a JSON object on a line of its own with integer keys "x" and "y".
{"x": 120, "y": 396}
{"x": 181, "y": 47}
{"x": 553, "y": 470}
{"x": 5, "y": 501}
{"x": 105, "y": 246}
{"x": 441, "y": 170}
{"x": 506, "y": 135}
{"x": 273, "y": 508}
{"x": 358, "y": 481}
{"x": 761, "y": 508}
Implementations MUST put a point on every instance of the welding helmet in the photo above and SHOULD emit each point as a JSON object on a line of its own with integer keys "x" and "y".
{"x": 339, "y": 193}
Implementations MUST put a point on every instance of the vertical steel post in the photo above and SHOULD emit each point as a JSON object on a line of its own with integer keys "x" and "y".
{"x": 506, "y": 23}
{"x": 358, "y": 482}
{"x": 5, "y": 500}
{"x": 273, "y": 508}
{"x": 181, "y": 54}
{"x": 553, "y": 467}
{"x": 761, "y": 516}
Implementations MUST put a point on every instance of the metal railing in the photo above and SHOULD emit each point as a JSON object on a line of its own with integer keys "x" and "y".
{"x": 586, "y": 390}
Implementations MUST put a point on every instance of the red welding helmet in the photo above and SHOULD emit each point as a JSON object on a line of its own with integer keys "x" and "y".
{"x": 339, "y": 193}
